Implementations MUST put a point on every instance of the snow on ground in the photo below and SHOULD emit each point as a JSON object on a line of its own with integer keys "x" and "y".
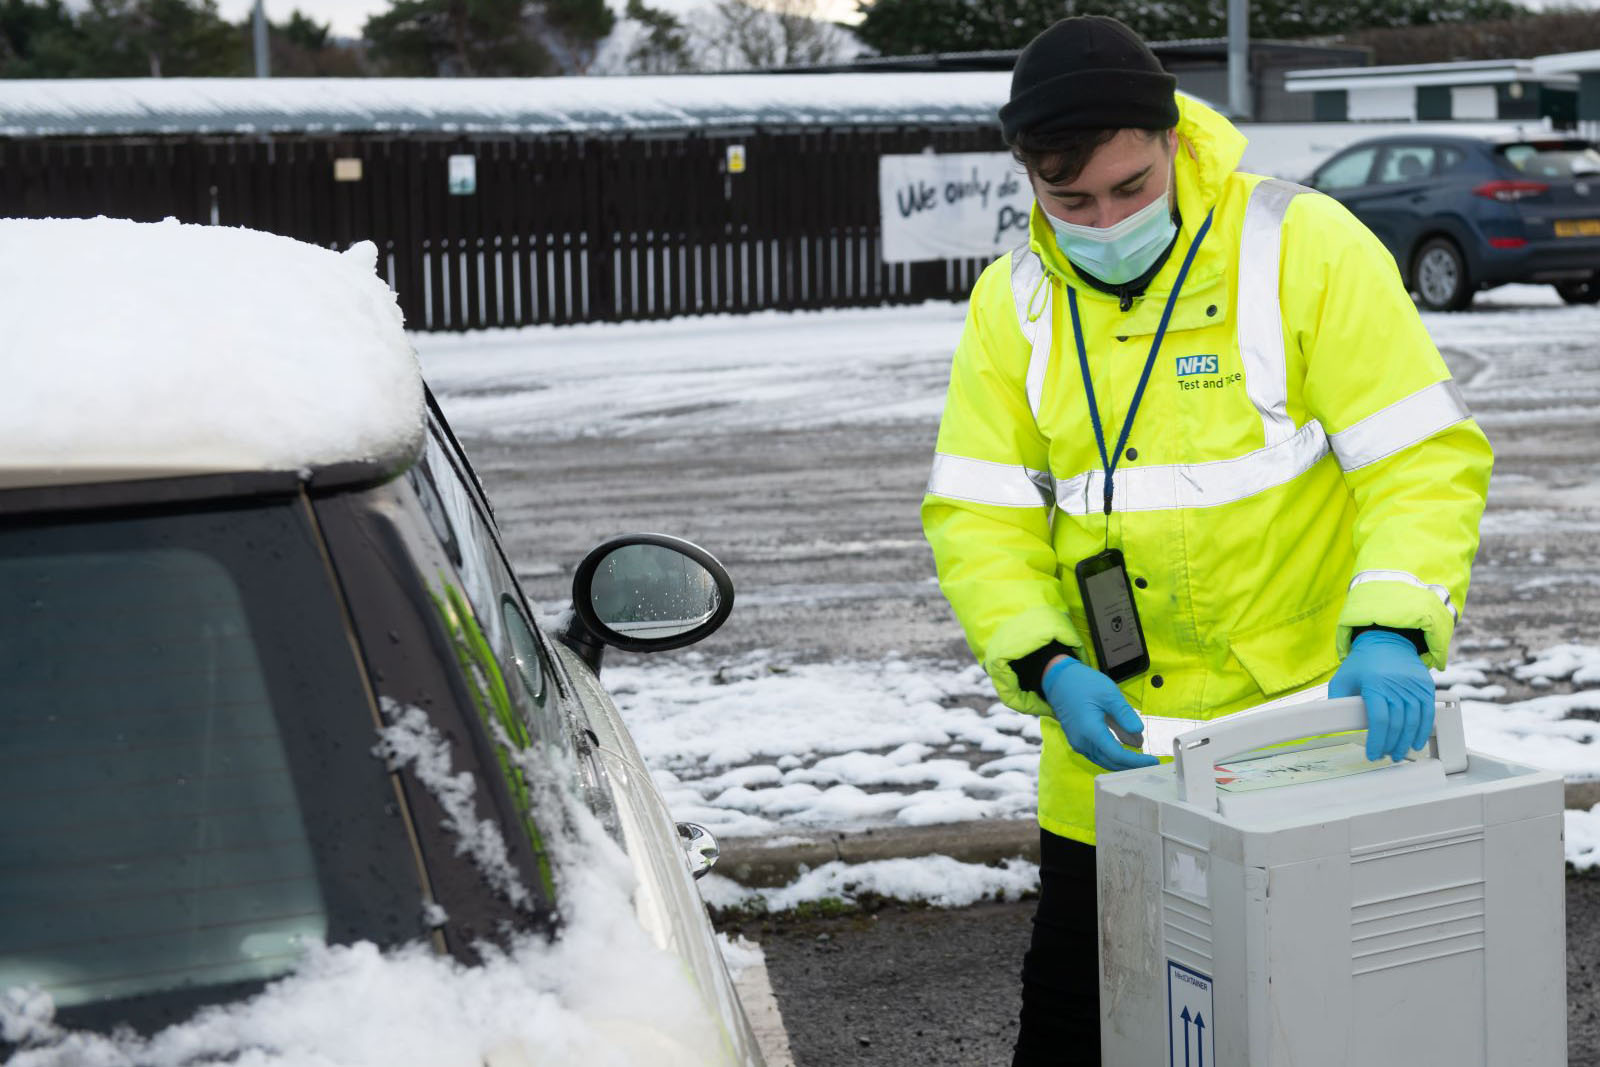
{"x": 760, "y": 748}
{"x": 731, "y": 373}
{"x": 758, "y": 745}
{"x": 1583, "y": 838}
{"x": 728, "y": 374}
{"x": 937, "y": 880}
{"x": 738, "y": 952}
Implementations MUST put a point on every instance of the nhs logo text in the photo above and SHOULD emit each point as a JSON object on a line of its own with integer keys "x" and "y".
{"x": 1188, "y": 365}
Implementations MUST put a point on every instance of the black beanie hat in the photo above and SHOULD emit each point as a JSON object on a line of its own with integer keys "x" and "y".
{"x": 1089, "y": 72}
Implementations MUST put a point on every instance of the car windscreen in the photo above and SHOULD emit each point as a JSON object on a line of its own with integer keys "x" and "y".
{"x": 1560, "y": 159}
{"x": 190, "y": 792}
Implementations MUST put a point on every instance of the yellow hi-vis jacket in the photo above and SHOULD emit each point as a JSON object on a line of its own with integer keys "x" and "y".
{"x": 1301, "y": 463}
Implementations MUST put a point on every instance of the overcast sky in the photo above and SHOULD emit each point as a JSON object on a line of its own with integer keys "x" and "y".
{"x": 346, "y": 16}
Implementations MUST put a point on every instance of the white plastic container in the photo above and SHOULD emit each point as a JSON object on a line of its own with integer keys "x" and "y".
{"x": 1409, "y": 914}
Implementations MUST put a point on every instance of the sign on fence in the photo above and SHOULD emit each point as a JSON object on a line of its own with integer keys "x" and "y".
{"x": 954, "y": 206}
{"x": 462, "y": 175}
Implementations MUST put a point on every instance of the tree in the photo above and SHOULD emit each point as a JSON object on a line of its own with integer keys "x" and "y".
{"x": 118, "y": 38}
{"x": 456, "y": 38}
{"x": 1558, "y": 30}
{"x": 914, "y": 27}
{"x": 572, "y": 29}
{"x": 301, "y": 47}
{"x": 466, "y": 38}
{"x": 744, "y": 35}
{"x": 159, "y": 38}
{"x": 302, "y": 31}
{"x": 38, "y": 40}
{"x": 662, "y": 46}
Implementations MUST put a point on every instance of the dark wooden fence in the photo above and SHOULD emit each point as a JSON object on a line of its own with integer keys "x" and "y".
{"x": 560, "y": 229}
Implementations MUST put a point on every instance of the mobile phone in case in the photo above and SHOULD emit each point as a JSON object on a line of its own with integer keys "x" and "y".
{"x": 1114, "y": 627}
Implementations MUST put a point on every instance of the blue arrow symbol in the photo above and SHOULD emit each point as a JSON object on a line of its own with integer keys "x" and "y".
{"x": 1200, "y": 1037}
{"x": 1185, "y": 1017}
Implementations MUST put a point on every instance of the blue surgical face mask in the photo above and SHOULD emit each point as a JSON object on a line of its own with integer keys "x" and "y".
{"x": 1121, "y": 252}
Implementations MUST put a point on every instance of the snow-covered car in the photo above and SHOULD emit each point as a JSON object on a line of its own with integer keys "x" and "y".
{"x": 292, "y": 774}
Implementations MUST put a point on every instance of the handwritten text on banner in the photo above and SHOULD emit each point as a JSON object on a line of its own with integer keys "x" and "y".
{"x": 966, "y": 204}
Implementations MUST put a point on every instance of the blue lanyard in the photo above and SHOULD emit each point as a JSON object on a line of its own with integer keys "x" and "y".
{"x": 1110, "y": 461}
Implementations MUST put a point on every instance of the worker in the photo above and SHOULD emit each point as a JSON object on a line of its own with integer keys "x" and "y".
{"x": 1198, "y": 453}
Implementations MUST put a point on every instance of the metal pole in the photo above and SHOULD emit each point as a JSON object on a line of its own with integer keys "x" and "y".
{"x": 1239, "y": 101}
{"x": 259, "y": 31}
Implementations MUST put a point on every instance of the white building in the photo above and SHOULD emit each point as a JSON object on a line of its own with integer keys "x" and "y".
{"x": 1428, "y": 92}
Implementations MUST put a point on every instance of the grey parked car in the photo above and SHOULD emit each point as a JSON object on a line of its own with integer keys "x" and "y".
{"x": 267, "y": 678}
{"x": 1464, "y": 213}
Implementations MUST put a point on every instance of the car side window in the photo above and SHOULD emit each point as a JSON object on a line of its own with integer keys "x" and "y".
{"x": 1450, "y": 159}
{"x": 1404, "y": 163}
{"x": 428, "y": 497}
{"x": 1555, "y": 161}
{"x": 504, "y": 633}
{"x": 1345, "y": 172}
{"x": 525, "y": 650}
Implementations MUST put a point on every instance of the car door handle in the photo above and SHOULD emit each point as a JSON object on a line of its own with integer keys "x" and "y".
{"x": 699, "y": 848}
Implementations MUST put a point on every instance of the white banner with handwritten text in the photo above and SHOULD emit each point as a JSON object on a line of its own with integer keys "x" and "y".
{"x": 951, "y": 206}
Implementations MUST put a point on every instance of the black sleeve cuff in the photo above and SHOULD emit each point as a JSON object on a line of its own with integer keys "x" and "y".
{"x": 1030, "y": 668}
{"x": 1416, "y": 637}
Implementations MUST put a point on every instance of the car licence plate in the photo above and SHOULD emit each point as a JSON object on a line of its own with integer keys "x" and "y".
{"x": 1578, "y": 227}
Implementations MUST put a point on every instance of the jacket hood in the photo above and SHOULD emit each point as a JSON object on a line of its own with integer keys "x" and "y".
{"x": 1209, "y": 149}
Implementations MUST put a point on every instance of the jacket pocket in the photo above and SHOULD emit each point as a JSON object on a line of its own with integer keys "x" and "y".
{"x": 1292, "y": 652}
{"x": 1080, "y": 623}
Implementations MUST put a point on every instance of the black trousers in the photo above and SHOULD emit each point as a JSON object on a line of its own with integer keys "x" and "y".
{"x": 1061, "y": 970}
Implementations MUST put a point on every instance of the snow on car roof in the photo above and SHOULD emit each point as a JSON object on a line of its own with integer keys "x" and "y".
{"x": 138, "y": 350}
{"x": 477, "y": 105}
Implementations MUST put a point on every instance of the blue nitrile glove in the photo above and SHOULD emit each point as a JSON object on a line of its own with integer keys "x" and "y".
{"x": 1081, "y": 698}
{"x": 1384, "y": 670}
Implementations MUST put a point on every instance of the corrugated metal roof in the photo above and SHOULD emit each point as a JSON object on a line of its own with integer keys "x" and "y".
{"x": 493, "y": 105}
{"x": 1464, "y": 72}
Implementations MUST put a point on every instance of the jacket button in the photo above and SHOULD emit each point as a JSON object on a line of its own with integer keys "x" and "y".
{"x": 1211, "y": 311}
{"x": 1158, "y": 681}
{"x": 1122, "y": 337}
{"x": 1140, "y": 582}
{"x": 1132, "y": 453}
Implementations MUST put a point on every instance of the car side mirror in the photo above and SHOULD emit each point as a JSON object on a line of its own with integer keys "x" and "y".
{"x": 648, "y": 593}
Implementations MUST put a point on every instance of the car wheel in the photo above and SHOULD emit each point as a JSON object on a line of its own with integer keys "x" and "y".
{"x": 1586, "y": 291}
{"x": 1439, "y": 275}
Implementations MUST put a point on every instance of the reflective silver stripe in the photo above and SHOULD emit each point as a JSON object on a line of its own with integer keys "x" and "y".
{"x": 1400, "y": 425}
{"x": 1259, "y": 325}
{"x": 1030, "y": 292}
{"x": 1002, "y": 485}
{"x": 1409, "y": 579}
{"x": 1197, "y": 485}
